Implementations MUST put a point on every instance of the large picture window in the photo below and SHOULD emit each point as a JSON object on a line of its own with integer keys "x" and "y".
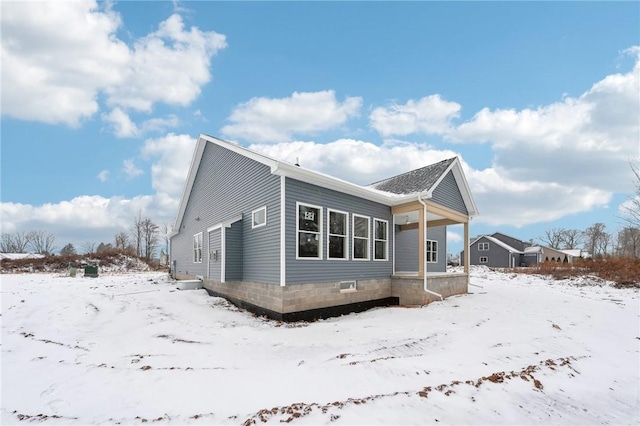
{"x": 360, "y": 237}
{"x": 309, "y": 232}
{"x": 337, "y": 235}
{"x": 197, "y": 248}
{"x": 380, "y": 239}
{"x": 432, "y": 251}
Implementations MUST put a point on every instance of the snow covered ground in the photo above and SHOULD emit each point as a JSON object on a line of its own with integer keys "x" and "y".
{"x": 131, "y": 349}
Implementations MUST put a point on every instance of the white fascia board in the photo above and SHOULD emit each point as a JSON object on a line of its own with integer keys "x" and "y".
{"x": 330, "y": 182}
{"x": 463, "y": 186}
{"x": 186, "y": 190}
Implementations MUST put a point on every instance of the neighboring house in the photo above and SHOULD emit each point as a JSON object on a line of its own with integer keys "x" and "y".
{"x": 502, "y": 251}
{"x": 291, "y": 243}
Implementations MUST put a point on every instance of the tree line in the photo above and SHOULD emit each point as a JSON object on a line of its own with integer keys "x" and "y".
{"x": 144, "y": 239}
{"x": 596, "y": 240}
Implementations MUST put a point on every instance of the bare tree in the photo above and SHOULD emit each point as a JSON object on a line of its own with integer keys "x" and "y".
{"x": 137, "y": 234}
{"x": 597, "y": 240}
{"x": 150, "y": 234}
{"x": 571, "y": 238}
{"x": 89, "y": 247}
{"x": 42, "y": 242}
{"x": 121, "y": 240}
{"x": 628, "y": 244}
{"x": 631, "y": 209}
{"x": 553, "y": 237}
{"x": 103, "y": 247}
{"x": 16, "y": 242}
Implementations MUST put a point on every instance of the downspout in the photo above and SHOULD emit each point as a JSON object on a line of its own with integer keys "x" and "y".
{"x": 424, "y": 252}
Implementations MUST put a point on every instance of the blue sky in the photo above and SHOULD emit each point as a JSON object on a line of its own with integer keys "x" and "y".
{"x": 102, "y": 103}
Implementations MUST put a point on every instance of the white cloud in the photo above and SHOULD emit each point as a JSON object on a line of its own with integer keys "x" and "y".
{"x": 67, "y": 54}
{"x": 356, "y": 161}
{"x": 130, "y": 170}
{"x": 97, "y": 218}
{"x": 169, "y": 65}
{"x": 172, "y": 155}
{"x": 429, "y": 115}
{"x": 582, "y": 141}
{"x": 120, "y": 123}
{"x": 103, "y": 176}
{"x": 277, "y": 120}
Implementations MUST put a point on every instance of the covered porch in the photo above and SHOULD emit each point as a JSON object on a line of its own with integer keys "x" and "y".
{"x": 420, "y": 261}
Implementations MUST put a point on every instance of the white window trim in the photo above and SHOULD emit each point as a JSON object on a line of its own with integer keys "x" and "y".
{"x": 353, "y": 237}
{"x": 253, "y": 213}
{"x": 481, "y": 245}
{"x": 386, "y": 240}
{"x": 194, "y": 247}
{"x": 346, "y": 234}
{"x": 486, "y": 259}
{"x": 432, "y": 251}
{"x": 320, "y": 240}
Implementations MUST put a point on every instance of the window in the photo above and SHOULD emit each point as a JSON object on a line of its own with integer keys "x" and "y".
{"x": 360, "y": 237}
{"x": 380, "y": 238}
{"x": 338, "y": 231}
{"x": 432, "y": 251}
{"x": 197, "y": 248}
{"x": 484, "y": 259}
{"x": 259, "y": 217}
{"x": 483, "y": 246}
{"x": 309, "y": 219}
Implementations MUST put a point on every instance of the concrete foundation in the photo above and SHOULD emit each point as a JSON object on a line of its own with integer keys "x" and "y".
{"x": 410, "y": 290}
{"x": 322, "y": 300}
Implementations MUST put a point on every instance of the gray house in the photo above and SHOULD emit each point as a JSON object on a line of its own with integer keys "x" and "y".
{"x": 292, "y": 243}
{"x": 502, "y": 251}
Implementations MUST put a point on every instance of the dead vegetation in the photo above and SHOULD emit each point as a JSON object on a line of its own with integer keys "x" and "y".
{"x": 624, "y": 272}
{"x": 106, "y": 260}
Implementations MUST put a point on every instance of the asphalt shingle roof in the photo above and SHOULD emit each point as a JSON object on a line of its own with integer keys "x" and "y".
{"x": 418, "y": 180}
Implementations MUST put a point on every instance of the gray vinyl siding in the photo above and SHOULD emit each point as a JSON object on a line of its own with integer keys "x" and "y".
{"x": 407, "y": 250}
{"x": 234, "y": 255}
{"x": 300, "y": 271}
{"x": 510, "y": 241}
{"x": 227, "y": 185}
{"x": 498, "y": 256}
{"x": 215, "y": 265}
{"x": 439, "y": 234}
{"x": 448, "y": 195}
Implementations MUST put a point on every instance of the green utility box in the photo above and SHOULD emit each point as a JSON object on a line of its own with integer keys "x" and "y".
{"x": 91, "y": 271}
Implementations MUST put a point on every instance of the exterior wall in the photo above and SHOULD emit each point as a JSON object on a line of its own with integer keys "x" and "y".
{"x": 498, "y": 257}
{"x": 301, "y": 271}
{"x": 226, "y": 185}
{"x": 234, "y": 259}
{"x": 439, "y": 234}
{"x": 411, "y": 290}
{"x": 406, "y": 249}
{"x": 448, "y": 195}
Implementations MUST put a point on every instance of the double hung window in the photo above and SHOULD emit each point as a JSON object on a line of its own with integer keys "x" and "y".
{"x": 483, "y": 246}
{"x": 309, "y": 232}
{"x": 360, "y": 237}
{"x": 432, "y": 251}
{"x": 197, "y": 248}
{"x": 381, "y": 237}
{"x": 338, "y": 231}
